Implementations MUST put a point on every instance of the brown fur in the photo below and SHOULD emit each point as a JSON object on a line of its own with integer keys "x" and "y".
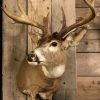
{"x": 32, "y": 79}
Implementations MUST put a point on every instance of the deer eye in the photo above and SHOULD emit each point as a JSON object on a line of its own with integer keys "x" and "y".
{"x": 54, "y": 44}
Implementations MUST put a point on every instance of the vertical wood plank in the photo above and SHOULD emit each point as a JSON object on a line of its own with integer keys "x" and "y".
{"x": 14, "y": 48}
{"x": 42, "y": 8}
{"x": 68, "y": 85}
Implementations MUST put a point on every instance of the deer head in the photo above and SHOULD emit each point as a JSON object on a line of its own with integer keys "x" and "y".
{"x": 51, "y": 48}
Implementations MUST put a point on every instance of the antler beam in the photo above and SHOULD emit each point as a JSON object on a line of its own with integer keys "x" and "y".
{"x": 66, "y": 31}
{"x": 23, "y": 18}
{"x": 63, "y": 21}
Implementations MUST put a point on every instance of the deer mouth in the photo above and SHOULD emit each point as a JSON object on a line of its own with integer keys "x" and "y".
{"x": 33, "y": 58}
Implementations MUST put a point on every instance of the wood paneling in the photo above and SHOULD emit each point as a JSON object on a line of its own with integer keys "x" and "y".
{"x": 80, "y": 3}
{"x": 14, "y": 47}
{"x": 88, "y": 64}
{"x": 91, "y": 46}
{"x": 91, "y": 97}
{"x": 92, "y": 35}
{"x": 94, "y": 24}
{"x": 88, "y": 88}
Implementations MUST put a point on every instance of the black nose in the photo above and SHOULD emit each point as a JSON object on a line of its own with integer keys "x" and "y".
{"x": 29, "y": 57}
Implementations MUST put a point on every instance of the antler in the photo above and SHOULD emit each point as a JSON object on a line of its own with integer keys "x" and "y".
{"x": 24, "y": 19}
{"x": 45, "y": 24}
{"x": 63, "y": 21}
{"x": 66, "y": 31}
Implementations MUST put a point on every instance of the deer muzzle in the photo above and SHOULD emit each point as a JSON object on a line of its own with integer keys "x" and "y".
{"x": 33, "y": 58}
{"x": 36, "y": 57}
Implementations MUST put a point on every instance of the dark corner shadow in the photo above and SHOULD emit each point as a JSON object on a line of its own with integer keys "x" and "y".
{"x": 0, "y": 50}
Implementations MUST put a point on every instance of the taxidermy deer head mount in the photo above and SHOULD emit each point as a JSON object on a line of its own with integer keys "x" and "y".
{"x": 40, "y": 73}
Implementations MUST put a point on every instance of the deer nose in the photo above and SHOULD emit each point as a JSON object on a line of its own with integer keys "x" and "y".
{"x": 30, "y": 56}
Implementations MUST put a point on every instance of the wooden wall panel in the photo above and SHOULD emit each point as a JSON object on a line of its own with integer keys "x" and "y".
{"x": 92, "y": 35}
{"x": 14, "y": 47}
{"x": 91, "y": 97}
{"x": 91, "y": 46}
{"x": 88, "y": 64}
{"x": 88, "y": 88}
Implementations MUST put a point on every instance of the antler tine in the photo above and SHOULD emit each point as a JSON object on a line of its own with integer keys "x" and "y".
{"x": 64, "y": 19}
{"x": 23, "y": 18}
{"x": 35, "y": 15}
{"x": 45, "y": 24}
{"x": 66, "y": 31}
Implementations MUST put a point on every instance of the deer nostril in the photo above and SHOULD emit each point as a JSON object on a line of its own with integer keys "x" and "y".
{"x": 31, "y": 55}
{"x": 29, "y": 58}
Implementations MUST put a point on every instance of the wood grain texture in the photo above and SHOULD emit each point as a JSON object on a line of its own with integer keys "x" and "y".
{"x": 88, "y": 88}
{"x": 80, "y": 3}
{"x": 91, "y": 46}
{"x": 94, "y": 24}
{"x": 92, "y": 35}
{"x": 92, "y": 97}
{"x": 14, "y": 47}
{"x": 88, "y": 64}
{"x": 68, "y": 85}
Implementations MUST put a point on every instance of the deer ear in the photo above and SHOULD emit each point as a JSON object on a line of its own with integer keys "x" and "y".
{"x": 74, "y": 38}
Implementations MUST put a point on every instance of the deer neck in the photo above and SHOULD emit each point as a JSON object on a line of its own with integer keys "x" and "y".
{"x": 54, "y": 72}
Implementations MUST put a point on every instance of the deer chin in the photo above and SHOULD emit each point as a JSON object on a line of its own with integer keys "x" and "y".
{"x": 35, "y": 63}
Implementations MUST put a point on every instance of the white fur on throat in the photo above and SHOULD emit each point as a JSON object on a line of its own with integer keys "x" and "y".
{"x": 55, "y": 72}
